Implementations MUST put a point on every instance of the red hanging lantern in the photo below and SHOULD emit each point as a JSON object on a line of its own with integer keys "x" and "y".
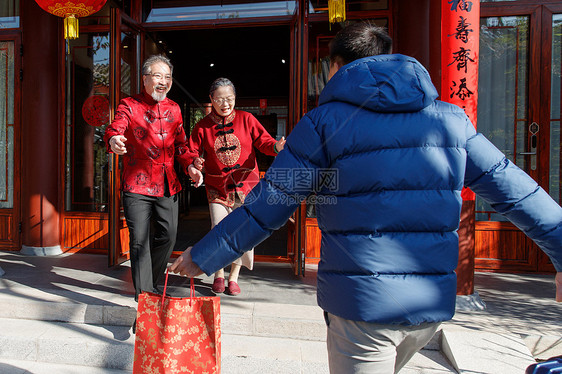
{"x": 71, "y": 11}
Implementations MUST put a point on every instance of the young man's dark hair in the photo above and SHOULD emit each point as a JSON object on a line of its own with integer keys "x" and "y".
{"x": 358, "y": 40}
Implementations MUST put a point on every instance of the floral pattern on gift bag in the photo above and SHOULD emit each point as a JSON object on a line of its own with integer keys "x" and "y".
{"x": 177, "y": 335}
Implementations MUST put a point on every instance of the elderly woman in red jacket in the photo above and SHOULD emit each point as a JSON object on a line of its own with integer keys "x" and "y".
{"x": 226, "y": 139}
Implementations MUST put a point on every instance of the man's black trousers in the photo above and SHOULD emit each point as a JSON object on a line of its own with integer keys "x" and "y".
{"x": 153, "y": 225}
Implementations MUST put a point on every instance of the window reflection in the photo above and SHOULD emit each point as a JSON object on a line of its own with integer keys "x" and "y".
{"x": 204, "y": 10}
{"x": 9, "y": 14}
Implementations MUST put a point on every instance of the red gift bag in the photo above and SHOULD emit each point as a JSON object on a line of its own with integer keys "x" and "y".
{"x": 177, "y": 335}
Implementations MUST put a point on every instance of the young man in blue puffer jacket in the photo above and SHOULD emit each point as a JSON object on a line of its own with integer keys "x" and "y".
{"x": 399, "y": 158}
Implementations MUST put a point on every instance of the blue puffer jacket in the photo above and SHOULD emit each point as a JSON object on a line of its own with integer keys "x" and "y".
{"x": 389, "y": 217}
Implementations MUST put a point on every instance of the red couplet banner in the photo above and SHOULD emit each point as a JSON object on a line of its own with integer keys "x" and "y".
{"x": 460, "y": 32}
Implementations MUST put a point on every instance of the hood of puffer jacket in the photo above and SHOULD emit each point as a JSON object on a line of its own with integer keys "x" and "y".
{"x": 383, "y": 83}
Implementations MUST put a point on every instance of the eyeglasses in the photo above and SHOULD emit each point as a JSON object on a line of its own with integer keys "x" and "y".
{"x": 158, "y": 76}
{"x": 222, "y": 100}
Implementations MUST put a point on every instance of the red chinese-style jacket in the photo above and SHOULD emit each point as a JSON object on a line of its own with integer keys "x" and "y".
{"x": 155, "y": 138}
{"x": 227, "y": 145}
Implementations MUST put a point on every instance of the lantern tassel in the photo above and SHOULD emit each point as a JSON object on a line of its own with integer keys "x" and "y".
{"x": 71, "y": 27}
{"x": 336, "y": 11}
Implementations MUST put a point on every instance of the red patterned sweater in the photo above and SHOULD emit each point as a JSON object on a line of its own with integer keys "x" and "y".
{"x": 228, "y": 146}
{"x": 155, "y": 137}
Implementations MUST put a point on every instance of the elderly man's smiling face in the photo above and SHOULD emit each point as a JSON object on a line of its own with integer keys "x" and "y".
{"x": 158, "y": 83}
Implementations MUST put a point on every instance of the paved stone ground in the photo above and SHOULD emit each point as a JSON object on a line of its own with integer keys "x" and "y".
{"x": 520, "y": 315}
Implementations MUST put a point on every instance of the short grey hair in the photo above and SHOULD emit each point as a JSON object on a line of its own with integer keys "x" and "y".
{"x": 221, "y": 82}
{"x": 147, "y": 65}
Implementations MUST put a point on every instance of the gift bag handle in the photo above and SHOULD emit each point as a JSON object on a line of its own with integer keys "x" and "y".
{"x": 191, "y": 290}
{"x": 164, "y": 292}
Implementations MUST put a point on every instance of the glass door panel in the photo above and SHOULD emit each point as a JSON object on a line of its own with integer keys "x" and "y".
{"x": 130, "y": 56}
{"x": 519, "y": 111}
{"x": 7, "y": 124}
{"x": 502, "y": 89}
{"x": 9, "y": 149}
{"x": 88, "y": 105}
{"x": 9, "y": 14}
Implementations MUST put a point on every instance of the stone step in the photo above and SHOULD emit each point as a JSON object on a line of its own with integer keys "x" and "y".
{"x": 59, "y": 308}
{"x": 41, "y": 347}
{"x": 66, "y": 343}
{"x": 472, "y": 351}
{"x": 543, "y": 347}
{"x": 59, "y": 326}
{"x": 8, "y": 366}
{"x": 237, "y": 317}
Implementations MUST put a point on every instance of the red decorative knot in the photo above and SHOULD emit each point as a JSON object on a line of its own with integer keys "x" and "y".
{"x": 96, "y": 110}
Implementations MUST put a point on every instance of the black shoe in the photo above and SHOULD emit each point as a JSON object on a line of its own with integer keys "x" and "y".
{"x": 135, "y": 326}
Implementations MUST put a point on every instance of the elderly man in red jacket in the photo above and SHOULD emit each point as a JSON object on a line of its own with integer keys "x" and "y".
{"x": 148, "y": 132}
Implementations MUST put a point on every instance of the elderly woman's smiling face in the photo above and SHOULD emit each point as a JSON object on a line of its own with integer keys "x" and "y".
{"x": 223, "y": 100}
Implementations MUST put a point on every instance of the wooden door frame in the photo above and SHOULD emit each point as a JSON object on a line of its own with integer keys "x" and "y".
{"x": 545, "y": 83}
{"x": 118, "y": 232}
{"x": 533, "y": 11}
{"x": 548, "y": 10}
{"x": 294, "y": 230}
{"x": 114, "y": 97}
{"x": 14, "y": 214}
{"x": 537, "y": 72}
{"x": 301, "y": 89}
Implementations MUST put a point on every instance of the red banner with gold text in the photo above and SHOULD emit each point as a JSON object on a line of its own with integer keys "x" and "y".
{"x": 460, "y": 31}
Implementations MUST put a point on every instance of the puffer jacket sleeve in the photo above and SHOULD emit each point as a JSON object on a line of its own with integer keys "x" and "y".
{"x": 513, "y": 193}
{"x": 268, "y": 206}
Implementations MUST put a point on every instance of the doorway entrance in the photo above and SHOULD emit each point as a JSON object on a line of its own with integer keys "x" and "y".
{"x": 257, "y": 61}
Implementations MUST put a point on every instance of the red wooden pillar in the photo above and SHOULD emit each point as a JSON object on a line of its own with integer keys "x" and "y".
{"x": 460, "y": 26}
{"x": 412, "y": 30}
{"x": 40, "y": 131}
{"x": 434, "y": 66}
{"x": 418, "y": 34}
